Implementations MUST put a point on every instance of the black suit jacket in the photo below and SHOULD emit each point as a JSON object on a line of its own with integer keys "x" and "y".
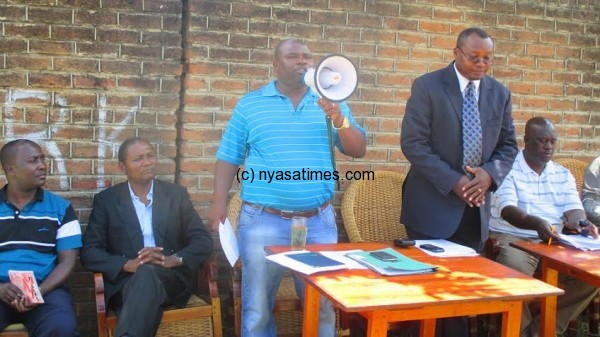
{"x": 431, "y": 140}
{"x": 114, "y": 236}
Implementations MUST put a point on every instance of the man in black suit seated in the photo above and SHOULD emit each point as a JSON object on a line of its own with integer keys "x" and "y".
{"x": 146, "y": 238}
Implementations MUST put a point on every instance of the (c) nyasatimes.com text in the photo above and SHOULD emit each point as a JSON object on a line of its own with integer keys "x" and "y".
{"x": 301, "y": 175}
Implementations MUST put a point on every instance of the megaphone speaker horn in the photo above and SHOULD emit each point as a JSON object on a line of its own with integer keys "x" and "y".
{"x": 335, "y": 78}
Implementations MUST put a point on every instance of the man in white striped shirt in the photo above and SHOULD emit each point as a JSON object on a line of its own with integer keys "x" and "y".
{"x": 536, "y": 195}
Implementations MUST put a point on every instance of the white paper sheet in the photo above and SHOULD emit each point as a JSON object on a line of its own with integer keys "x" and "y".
{"x": 229, "y": 242}
{"x": 451, "y": 249}
{"x": 580, "y": 242}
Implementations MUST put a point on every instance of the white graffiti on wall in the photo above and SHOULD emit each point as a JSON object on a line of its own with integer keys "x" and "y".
{"x": 105, "y": 139}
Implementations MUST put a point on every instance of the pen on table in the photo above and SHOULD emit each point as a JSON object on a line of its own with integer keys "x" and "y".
{"x": 550, "y": 240}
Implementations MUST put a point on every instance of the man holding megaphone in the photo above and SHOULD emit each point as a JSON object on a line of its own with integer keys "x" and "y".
{"x": 282, "y": 127}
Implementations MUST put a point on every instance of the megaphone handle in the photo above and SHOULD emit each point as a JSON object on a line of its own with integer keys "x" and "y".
{"x": 331, "y": 146}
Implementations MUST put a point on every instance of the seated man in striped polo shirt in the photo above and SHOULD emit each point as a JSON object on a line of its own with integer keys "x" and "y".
{"x": 279, "y": 134}
{"x": 39, "y": 232}
{"x": 536, "y": 195}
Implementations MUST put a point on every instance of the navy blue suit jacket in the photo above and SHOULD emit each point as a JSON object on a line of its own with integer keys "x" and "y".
{"x": 114, "y": 236}
{"x": 431, "y": 140}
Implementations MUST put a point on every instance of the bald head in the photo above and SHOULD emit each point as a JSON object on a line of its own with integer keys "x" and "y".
{"x": 536, "y": 123}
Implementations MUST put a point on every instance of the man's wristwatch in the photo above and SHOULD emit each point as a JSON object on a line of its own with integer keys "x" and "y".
{"x": 179, "y": 258}
{"x": 345, "y": 124}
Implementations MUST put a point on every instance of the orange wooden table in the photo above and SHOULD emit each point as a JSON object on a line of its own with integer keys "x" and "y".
{"x": 582, "y": 265}
{"x": 462, "y": 286}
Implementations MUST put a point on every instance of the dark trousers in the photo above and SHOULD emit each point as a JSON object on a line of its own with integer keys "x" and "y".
{"x": 468, "y": 234}
{"x": 139, "y": 305}
{"x": 54, "y": 318}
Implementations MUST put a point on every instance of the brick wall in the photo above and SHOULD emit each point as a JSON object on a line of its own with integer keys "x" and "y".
{"x": 81, "y": 76}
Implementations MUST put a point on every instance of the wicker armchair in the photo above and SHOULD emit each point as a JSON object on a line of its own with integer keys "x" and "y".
{"x": 14, "y": 330}
{"x": 577, "y": 168}
{"x": 369, "y": 202}
{"x": 198, "y": 318}
{"x": 287, "y": 310}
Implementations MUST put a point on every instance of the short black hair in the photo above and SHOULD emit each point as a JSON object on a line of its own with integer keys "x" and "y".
{"x": 9, "y": 150}
{"x": 537, "y": 121}
{"x": 126, "y": 144}
{"x": 470, "y": 31}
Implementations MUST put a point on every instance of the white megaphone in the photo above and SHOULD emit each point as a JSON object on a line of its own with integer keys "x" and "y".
{"x": 335, "y": 78}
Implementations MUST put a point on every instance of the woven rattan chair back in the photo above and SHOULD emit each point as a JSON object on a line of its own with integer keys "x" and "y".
{"x": 371, "y": 208}
{"x": 577, "y": 168}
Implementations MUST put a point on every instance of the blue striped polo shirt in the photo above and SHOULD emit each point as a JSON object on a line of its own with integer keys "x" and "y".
{"x": 285, "y": 150}
{"x": 30, "y": 238}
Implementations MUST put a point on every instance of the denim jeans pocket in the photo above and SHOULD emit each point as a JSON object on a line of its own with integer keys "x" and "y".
{"x": 327, "y": 217}
{"x": 248, "y": 216}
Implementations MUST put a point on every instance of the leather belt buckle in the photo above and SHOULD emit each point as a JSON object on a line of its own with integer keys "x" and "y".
{"x": 286, "y": 214}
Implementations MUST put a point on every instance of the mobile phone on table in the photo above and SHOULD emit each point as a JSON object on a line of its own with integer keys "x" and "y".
{"x": 383, "y": 256}
{"x": 403, "y": 243}
{"x": 431, "y": 248}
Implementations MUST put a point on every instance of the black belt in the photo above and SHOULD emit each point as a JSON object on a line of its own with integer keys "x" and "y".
{"x": 290, "y": 214}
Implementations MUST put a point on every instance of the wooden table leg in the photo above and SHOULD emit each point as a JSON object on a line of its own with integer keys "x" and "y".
{"x": 428, "y": 327}
{"x": 548, "y": 314}
{"x": 511, "y": 320}
{"x": 377, "y": 324}
{"x": 310, "y": 323}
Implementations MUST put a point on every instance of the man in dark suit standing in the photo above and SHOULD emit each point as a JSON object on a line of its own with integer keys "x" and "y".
{"x": 147, "y": 240}
{"x": 459, "y": 137}
{"x": 445, "y": 196}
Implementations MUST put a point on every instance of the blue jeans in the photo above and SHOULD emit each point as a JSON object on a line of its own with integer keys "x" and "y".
{"x": 261, "y": 278}
{"x": 54, "y": 318}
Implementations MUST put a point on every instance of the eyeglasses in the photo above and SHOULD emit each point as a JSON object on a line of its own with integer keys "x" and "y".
{"x": 476, "y": 59}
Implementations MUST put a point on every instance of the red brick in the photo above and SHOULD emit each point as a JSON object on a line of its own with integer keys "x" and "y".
{"x": 376, "y": 63}
{"x": 448, "y": 14}
{"x": 76, "y": 65}
{"x": 170, "y": 102}
{"x": 78, "y": 116}
{"x": 578, "y": 90}
{"x": 500, "y": 7}
{"x": 171, "y": 7}
{"x": 94, "y": 17}
{"x": 141, "y": 51}
{"x": 97, "y": 49}
{"x": 10, "y": 12}
{"x": 333, "y": 33}
{"x": 444, "y": 42}
{"x": 412, "y": 38}
{"x": 228, "y": 24}
{"x": 480, "y": 18}
{"x": 139, "y": 21}
{"x": 12, "y": 45}
{"x": 591, "y": 78}
{"x": 537, "y": 76}
{"x": 208, "y": 68}
{"x": 161, "y": 38}
{"x": 119, "y": 35}
{"x": 78, "y": 98}
{"x": 358, "y": 48}
{"x": 551, "y": 64}
{"x": 127, "y": 5}
{"x": 172, "y": 53}
{"x": 250, "y": 42}
{"x": 121, "y": 67}
{"x": 248, "y": 10}
{"x": 229, "y": 54}
{"x": 521, "y": 88}
{"x": 525, "y": 36}
{"x": 400, "y": 24}
{"x": 541, "y": 24}
{"x": 588, "y": 105}
{"x": 26, "y": 30}
{"x": 568, "y": 52}
{"x": 49, "y": 80}
{"x": 348, "y": 5}
{"x": 411, "y": 66}
{"x": 561, "y": 104}
{"x": 29, "y": 62}
{"x": 530, "y": 9}
{"x": 549, "y": 89}
{"x": 540, "y": 50}
{"x": 434, "y": 27}
{"x": 52, "y": 15}
{"x": 171, "y": 22}
{"x": 51, "y": 47}
{"x": 566, "y": 77}
{"x": 534, "y": 103}
{"x": 228, "y": 85}
{"x": 392, "y": 51}
{"x": 266, "y": 27}
{"x": 512, "y": 21}
{"x": 71, "y": 133}
{"x": 377, "y": 35}
{"x": 90, "y": 81}
{"x": 526, "y": 62}
{"x": 557, "y": 12}
{"x": 36, "y": 115}
{"x": 74, "y": 166}
{"x": 161, "y": 68}
{"x": 386, "y": 139}
{"x": 580, "y": 40}
{"x": 507, "y": 73}
{"x": 426, "y": 54}
{"x": 139, "y": 83}
{"x": 72, "y": 33}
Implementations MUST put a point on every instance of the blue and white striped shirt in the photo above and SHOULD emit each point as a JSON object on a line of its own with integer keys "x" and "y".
{"x": 270, "y": 137}
{"x": 548, "y": 195}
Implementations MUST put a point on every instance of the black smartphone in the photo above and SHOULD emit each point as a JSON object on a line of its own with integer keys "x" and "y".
{"x": 431, "y": 248}
{"x": 403, "y": 243}
{"x": 383, "y": 256}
